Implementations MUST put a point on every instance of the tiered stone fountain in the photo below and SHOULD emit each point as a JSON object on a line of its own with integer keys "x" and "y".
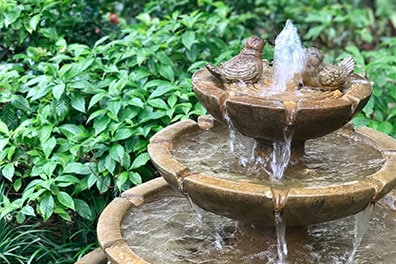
{"x": 278, "y": 131}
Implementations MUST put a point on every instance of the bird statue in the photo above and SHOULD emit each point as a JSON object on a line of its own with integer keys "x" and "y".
{"x": 247, "y": 66}
{"x": 325, "y": 76}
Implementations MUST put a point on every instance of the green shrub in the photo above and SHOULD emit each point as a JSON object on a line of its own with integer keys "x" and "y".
{"x": 77, "y": 119}
{"x": 35, "y": 23}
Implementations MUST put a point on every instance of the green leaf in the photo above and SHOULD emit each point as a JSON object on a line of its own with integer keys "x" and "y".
{"x": 77, "y": 168}
{"x": 48, "y": 146}
{"x": 20, "y": 217}
{"x": 95, "y": 114}
{"x": 92, "y": 178}
{"x": 83, "y": 209}
{"x": 166, "y": 71}
{"x": 140, "y": 161}
{"x": 100, "y": 124}
{"x": 62, "y": 213}
{"x": 78, "y": 102}
{"x": 122, "y": 134}
{"x": 188, "y": 39}
{"x": 49, "y": 168}
{"x": 114, "y": 107}
{"x": 117, "y": 152}
{"x": 103, "y": 184}
{"x": 144, "y": 17}
{"x": 385, "y": 127}
{"x": 58, "y": 90}
{"x": 4, "y": 128}
{"x": 95, "y": 99}
{"x": 17, "y": 184}
{"x": 28, "y": 210}
{"x": 45, "y": 133}
{"x": 3, "y": 143}
{"x": 121, "y": 179}
{"x": 34, "y": 21}
{"x": 135, "y": 178}
{"x": 164, "y": 59}
{"x": 8, "y": 171}
{"x": 74, "y": 132}
{"x": 12, "y": 15}
{"x": 161, "y": 89}
{"x": 158, "y": 103}
{"x": 147, "y": 115}
{"x": 65, "y": 199}
{"x": 110, "y": 164}
{"x": 136, "y": 102}
{"x": 47, "y": 206}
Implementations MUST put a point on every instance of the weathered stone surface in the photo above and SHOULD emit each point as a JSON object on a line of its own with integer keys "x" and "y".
{"x": 244, "y": 201}
{"x": 109, "y": 223}
{"x": 96, "y": 256}
{"x": 109, "y": 231}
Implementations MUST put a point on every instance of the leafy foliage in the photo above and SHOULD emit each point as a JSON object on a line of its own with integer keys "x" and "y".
{"x": 77, "y": 119}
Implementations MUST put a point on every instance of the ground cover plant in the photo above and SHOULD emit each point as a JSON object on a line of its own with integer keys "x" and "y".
{"x": 85, "y": 84}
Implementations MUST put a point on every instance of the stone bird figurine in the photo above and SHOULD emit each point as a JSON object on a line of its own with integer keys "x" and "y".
{"x": 247, "y": 66}
{"x": 325, "y": 76}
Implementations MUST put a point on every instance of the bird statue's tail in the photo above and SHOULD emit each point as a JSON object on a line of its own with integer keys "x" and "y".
{"x": 214, "y": 71}
{"x": 348, "y": 63}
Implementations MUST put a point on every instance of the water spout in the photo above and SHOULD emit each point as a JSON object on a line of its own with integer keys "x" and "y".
{"x": 289, "y": 58}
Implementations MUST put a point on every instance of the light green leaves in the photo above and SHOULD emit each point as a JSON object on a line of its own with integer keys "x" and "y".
{"x": 8, "y": 171}
{"x": 47, "y": 206}
{"x": 188, "y": 39}
{"x": 4, "y": 129}
{"x": 140, "y": 160}
{"x": 78, "y": 102}
{"x": 66, "y": 200}
{"x": 117, "y": 152}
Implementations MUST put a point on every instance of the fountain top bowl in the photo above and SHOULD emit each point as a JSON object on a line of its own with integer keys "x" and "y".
{"x": 255, "y": 203}
{"x": 266, "y": 117}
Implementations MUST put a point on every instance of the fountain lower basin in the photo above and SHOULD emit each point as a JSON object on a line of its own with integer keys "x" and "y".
{"x": 255, "y": 203}
{"x": 124, "y": 236}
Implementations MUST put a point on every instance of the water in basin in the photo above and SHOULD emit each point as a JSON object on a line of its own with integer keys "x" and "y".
{"x": 166, "y": 229}
{"x": 330, "y": 160}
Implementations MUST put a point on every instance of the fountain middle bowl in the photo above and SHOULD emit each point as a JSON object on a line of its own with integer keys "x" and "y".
{"x": 266, "y": 117}
{"x": 255, "y": 203}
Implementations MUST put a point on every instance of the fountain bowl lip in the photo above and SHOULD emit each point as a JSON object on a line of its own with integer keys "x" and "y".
{"x": 109, "y": 232}
{"x": 352, "y": 196}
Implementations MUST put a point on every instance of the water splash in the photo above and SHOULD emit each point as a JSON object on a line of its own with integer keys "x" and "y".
{"x": 361, "y": 224}
{"x": 281, "y": 237}
{"x": 289, "y": 58}
{"x": 241, "y": 146}
{"x": 231, "y": 132}
{"x": 195, "y": 208}
{"x": 280, "y": 158}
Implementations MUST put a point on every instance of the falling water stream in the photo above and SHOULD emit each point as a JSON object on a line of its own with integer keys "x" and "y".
{"x": 361, "y": 224}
